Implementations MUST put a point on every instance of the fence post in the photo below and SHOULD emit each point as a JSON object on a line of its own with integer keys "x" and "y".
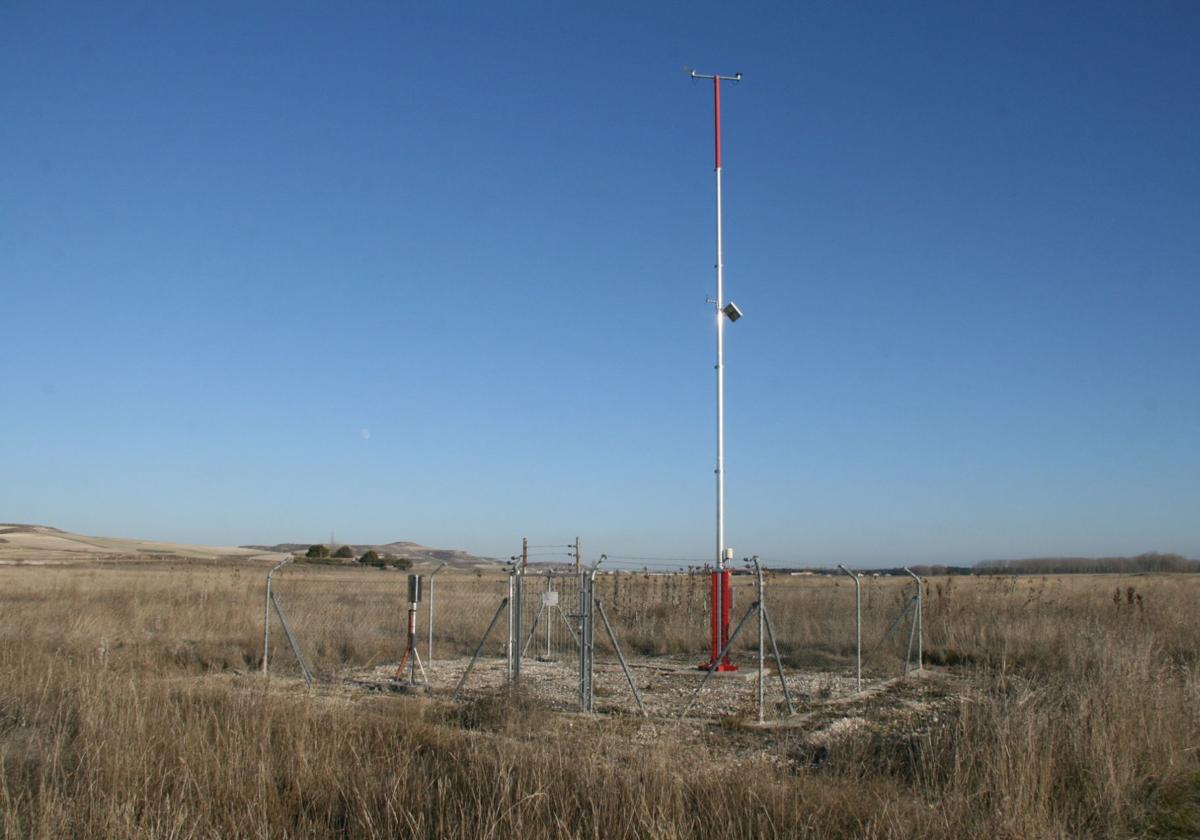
{"x": 857, "y": 623}
{"x": 585, "y": 665}
{"x": 587, "y": 640}
{"x": 581, "y": 639}
{"x": 589, "y": 649}
{"x": 546, "y": 606}
{"x": 509, "y": 645}
{"x": 920, "y": 628}
{"x": 518, "y": 651}
{"x": 267, "y": 613}
{"x": 918, "y": 625}
{"x": 761, "y": 634}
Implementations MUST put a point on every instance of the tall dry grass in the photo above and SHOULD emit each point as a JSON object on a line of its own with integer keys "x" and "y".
{"x": 128, "y": 708}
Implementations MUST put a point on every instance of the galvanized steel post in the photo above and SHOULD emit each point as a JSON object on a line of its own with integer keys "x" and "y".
{"x": 761, "y": 634}
{"x": 517, "y": 653}
{"x": 585, "y": 643}
{"x": 546, "y": 606}
{"x": 580, "y": 639}
{"x": 511, "y": 643}
{"x": 857, "y": 623}
{"x": 587, "y": 646}
{"x": 918, "y": 623}
{"x": 267, "y": 613}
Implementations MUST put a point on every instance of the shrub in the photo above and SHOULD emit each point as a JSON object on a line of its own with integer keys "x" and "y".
{"x": 317, "y": 552}
{"x": 372, "y": 558}
{"x": 345, "y": 552}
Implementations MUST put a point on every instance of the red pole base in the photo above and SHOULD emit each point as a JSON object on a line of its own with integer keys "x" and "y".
{"x": 721, "y": 585}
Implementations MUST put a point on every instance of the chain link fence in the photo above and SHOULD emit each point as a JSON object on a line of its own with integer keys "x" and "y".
{"x": 620, "y": 640}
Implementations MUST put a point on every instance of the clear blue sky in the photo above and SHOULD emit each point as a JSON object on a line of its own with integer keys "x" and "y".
{"x": 270, "y": 270}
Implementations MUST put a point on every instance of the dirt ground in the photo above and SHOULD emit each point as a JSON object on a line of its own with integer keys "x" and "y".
{"x": 827, "y": 708}
{"x": 665, "y": 684}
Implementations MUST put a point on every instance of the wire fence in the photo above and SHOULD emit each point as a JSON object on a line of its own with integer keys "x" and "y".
{"x": 621, "y": 639}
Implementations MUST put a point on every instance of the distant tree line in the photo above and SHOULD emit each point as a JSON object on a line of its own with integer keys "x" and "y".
{"x": 934, "y": 570}
{"x": 1149, "y": 562}
{"x": 1153, "y": 561}
{"x": 322, "y": 554}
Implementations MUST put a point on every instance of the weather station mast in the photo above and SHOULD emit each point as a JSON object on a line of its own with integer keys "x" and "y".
{"x": 721, "y": 586}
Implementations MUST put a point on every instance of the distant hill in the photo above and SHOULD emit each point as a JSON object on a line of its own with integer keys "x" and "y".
{"x": 416, "y": 552}
{"x": 43, "y": 545}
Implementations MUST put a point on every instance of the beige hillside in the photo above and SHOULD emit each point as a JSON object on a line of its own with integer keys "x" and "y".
{"x": 42, "y": 545}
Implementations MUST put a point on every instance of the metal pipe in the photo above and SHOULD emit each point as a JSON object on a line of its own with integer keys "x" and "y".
{"x": 545, "y": 606}
{"x": 612, "y": 637}
{"x": 708, "y": 674}
{"x": 429, "y": 649}
{"x": 520, "y": 597}
{"x": 918, "y": 624}
{"x": 857, "y": 622}
{"x": 528, "y": 639}
{"x": 412, "y": 642}
{"x": 579, "y": 640}
{"x": 287, "y": 631}
{"x": 761, "y": 634}
{"x": 778, "y": 661}
{"x": 267, "y": 612}
{"x": 895, "y": 622}
{"x": 574, "y": 638}
{"x": 585, "y": 643}
{"x": 589, "y": 641}
{"x": 510, "y": 644}
{"x": 479, "y": 647}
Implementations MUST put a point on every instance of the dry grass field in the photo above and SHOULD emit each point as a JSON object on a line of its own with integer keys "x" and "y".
{"x": 131, "y": 706}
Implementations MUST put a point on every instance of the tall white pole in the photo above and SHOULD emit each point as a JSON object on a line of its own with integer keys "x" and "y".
{"x": 720, "y": 608}
{"x": 720, "y": 339}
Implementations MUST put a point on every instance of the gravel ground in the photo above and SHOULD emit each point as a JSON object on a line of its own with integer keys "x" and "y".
{"x": 666, "y": 685}
{"x": 830, "y": 716}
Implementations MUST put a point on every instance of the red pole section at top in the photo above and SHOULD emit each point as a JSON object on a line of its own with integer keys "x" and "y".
{"x": 717, "y": 117}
